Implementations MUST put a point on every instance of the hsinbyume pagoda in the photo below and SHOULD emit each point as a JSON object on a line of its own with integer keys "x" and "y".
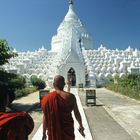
{"x": 72, "y": 56}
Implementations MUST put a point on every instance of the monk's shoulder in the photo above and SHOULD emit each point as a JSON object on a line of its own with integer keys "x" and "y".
{"x": 46, "y": 98}
{"x": 70, "y": 96}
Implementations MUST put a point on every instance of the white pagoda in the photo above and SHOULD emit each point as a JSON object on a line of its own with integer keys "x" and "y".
{"x": 72, "y": 56}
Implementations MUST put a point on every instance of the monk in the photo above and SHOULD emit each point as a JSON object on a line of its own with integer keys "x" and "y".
{"x": 13, "y": 125}
{"x": 57, "y": 118}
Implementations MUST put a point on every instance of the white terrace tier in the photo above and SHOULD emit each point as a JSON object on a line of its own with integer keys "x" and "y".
{"x": 100, "y": 64}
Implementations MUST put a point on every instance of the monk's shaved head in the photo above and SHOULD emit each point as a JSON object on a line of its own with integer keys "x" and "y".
{"x": 59, "y": 82}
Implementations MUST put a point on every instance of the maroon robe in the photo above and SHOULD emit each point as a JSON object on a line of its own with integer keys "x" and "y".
{"x": 12, "y": 125}
{"x": 59, "y": 118}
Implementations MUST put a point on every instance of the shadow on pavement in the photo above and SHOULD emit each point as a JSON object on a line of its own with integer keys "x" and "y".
{"x": 23, "y": 107}
{"x": 99, "y": 105}
{"x": 92, "y": 105}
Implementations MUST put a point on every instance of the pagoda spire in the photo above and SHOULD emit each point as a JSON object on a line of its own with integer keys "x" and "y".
{"x": 70, "y": 2}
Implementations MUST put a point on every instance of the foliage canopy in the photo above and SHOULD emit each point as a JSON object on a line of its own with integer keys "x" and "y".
{"x": 6, "y": 52}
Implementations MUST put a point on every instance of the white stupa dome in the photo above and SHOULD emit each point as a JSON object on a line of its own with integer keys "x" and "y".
{"x": 114, "y": 74}
{"x": 71, "y": 20}
{"x": 71, "y": 14}
{"x": 122, "y": 74}
{"x": 71, "y": 27}
{"x": 108, "y": 75}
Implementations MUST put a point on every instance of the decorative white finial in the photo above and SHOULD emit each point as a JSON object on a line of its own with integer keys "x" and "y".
{"x": 70, "y": 2}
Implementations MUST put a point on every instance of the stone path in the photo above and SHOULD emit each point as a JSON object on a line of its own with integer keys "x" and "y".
{"x": 30, "y": 104}
{"x": 124, "y": 110}
{"x": 115, "y": 117}
{"x": 26, "y": 103}
{"x": 102, "y": 125}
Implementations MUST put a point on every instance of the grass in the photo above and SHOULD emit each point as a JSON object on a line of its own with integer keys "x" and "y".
{"x": 25, "y": 91}
{"x": 127, "y": 91}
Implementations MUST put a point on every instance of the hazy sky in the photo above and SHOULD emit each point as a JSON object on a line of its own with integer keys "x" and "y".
{"x": 29, "y": 24}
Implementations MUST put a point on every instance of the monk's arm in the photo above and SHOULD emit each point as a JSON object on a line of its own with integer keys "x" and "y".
{"x": 45, "y": 126}
{"x": 68, "y": 86}
{"x": 78, "y": 118}
{"x": 77, "y": 113}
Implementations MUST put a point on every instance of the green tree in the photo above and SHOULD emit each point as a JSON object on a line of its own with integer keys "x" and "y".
{"x": 18, "y": 82}
{"x": 33, "y": 80}
{"x": 40, "y": 84}
{"x": 37, "y": 82}
{"x": 5, "y": 79}
{"x": 6, "y": 52}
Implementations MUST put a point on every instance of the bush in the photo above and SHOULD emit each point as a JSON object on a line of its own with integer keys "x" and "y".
{"x": 23, "y": 92}
{"x": 7, "y": 82}
{"x": 37, "y": 82}
{"x": 18, "y": 82}
{"x": 128, "y": 85}
{"x": 33, "y": 80}
{"x": 40, "y": 84}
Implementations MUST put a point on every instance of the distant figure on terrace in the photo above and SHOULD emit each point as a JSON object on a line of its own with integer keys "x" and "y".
{"x": 57, "y": 107}
{"x": 13, "y": 125}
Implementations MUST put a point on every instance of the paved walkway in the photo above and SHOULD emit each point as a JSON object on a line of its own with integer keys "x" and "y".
{"x": 26, "y": 103}
{"x": 124, "y": 110}
{"x": 30, "y": 104}
{"x": 114, "y": 117}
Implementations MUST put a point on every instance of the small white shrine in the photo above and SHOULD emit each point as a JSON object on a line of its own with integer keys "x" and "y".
{"x": 72, "y": 55}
